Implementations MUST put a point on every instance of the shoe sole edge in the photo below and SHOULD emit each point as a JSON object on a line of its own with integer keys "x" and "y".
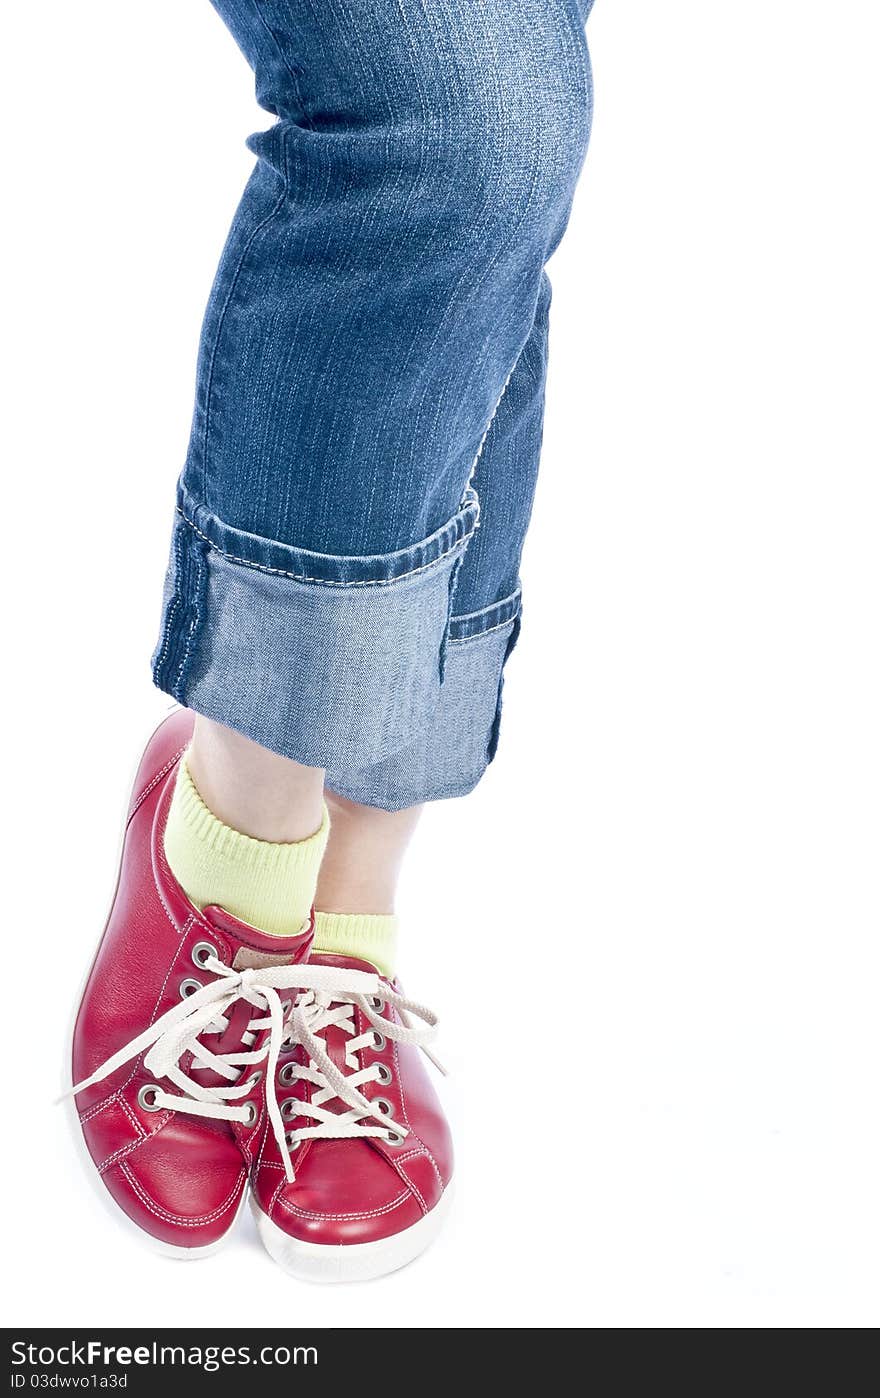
{"x": 326, "y": 1263}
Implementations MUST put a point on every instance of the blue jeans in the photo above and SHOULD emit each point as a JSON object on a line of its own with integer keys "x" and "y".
{"x": 344, "y": 576}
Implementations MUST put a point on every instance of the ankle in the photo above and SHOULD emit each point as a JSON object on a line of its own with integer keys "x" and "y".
{"x": 361, "y": 867}
{"x": 252, "y": 790}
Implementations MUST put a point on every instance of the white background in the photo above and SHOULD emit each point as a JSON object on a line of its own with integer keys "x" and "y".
{"x": 653, "y": 930}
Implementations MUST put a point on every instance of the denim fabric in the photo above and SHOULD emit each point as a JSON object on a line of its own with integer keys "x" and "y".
{"x": 448, "y": 757}
{"x": 373, "y": 353}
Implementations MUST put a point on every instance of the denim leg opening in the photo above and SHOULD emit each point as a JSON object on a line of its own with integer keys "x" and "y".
{"x": 333, "y": 661}
{"x": 459, "y": 740}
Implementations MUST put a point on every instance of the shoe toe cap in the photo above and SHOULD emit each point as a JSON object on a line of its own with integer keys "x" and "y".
{"x": 345, "y": 1192}
{"x": 183, "y": 1185}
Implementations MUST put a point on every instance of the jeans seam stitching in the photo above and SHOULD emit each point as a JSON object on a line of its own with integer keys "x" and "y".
{"x": 326, "y": 582}
{"x": 492, "y": 606}
{"x": 172, "y": 609}
{"x": 226, "y": 304}
{"x": 196, "y": 617}
{"x": 478, "y": 635}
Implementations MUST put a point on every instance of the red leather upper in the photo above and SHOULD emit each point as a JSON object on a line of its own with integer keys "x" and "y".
{"x": 180, "y": 1177}
{"x": 359, "y": 1190}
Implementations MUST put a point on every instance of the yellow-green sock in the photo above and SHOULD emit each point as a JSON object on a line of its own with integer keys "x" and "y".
{"x": 366, "y": 935}
{"x": 269, "y": 886}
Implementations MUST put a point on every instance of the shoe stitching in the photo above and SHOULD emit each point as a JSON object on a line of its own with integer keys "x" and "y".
{"x": 423, "y": 1149}
{"x": 157, "y": 778}
{"x": 123, "y": 1151}
{"x": 409, "y": 1155}
{"x": 87, "y": 1116}
{"x": 259, "y": 1157}
{"x": 412, "y": 1184}
{"x": 276, "y": 1196}
{"x": 168, "y": 1217}
{"x": 396, "y": 1163}
{"x": 183, "y": 936}
{"x": 428, "y": 1156}
{"x": 132, "y": 1118}
{"x": 350, "y": 1217}
{"x": 191, "y": 921}
{"x": 257, "y": 1161}
{"x": 415, "y": 1135}
{"x": 246, "y": 1141}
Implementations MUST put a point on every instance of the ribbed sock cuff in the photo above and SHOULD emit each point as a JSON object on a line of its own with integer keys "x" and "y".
{"x": 366, "y": 935}
{"x": 270, "y": 886}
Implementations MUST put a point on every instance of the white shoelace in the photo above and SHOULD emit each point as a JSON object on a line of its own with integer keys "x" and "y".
{"x": 314, "y": 1013}
{"x": 324, "y": 996}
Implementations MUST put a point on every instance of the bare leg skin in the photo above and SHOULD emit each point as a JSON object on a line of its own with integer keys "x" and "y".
{"x": 253, "y": 790}
{"x": 364, "y": 856}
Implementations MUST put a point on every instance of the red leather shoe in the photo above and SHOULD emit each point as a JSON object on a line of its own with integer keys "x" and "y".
{"x": 360, "y": 1185}
{"x": 181, "y": 1017}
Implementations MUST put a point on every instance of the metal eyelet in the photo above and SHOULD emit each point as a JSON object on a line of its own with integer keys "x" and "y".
{"x": 188, "y": 987}
{"x": 286, "y": 1075}
{"x": 385, "y": 1074}
{"x": 379, "y": 1041}
{"x": 254, "y": 1078}
{"x": 288, "y": 1137}
{"x": 147, "y": 1098}
{"x": 377, "y": 1003}
{"x": 251, "y": 1117}
{"x": 394, "y": 1138}
{"x": 382, "y": 1105}
{"x": 288, "y": 1108}
{"x": 202, "y": 952}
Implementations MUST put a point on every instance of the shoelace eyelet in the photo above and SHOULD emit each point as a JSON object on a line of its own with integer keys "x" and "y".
{"x": 147, "y": 1098}
{"x": 176, "y": 1034}
{"x": 288, "y": 1108}
{"x": 383, "y": 1105}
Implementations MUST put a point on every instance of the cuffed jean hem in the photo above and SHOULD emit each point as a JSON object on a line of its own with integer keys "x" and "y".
{"x": 346, "y": 663}
{"x": 459, "y": 739}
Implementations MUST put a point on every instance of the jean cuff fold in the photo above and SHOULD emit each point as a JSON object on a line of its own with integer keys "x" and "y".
{"x": 459, "y": 738}
{"x": 334, "y": 661}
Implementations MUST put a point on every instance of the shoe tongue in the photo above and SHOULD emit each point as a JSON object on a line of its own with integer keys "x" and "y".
{"x": 335, "y": 1040}
{"x": 256, "y": 949}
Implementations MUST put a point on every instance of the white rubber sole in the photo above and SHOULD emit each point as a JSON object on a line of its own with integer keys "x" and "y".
{"x": 319, "y": 1262}
{"x": 90, "y": 1170}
